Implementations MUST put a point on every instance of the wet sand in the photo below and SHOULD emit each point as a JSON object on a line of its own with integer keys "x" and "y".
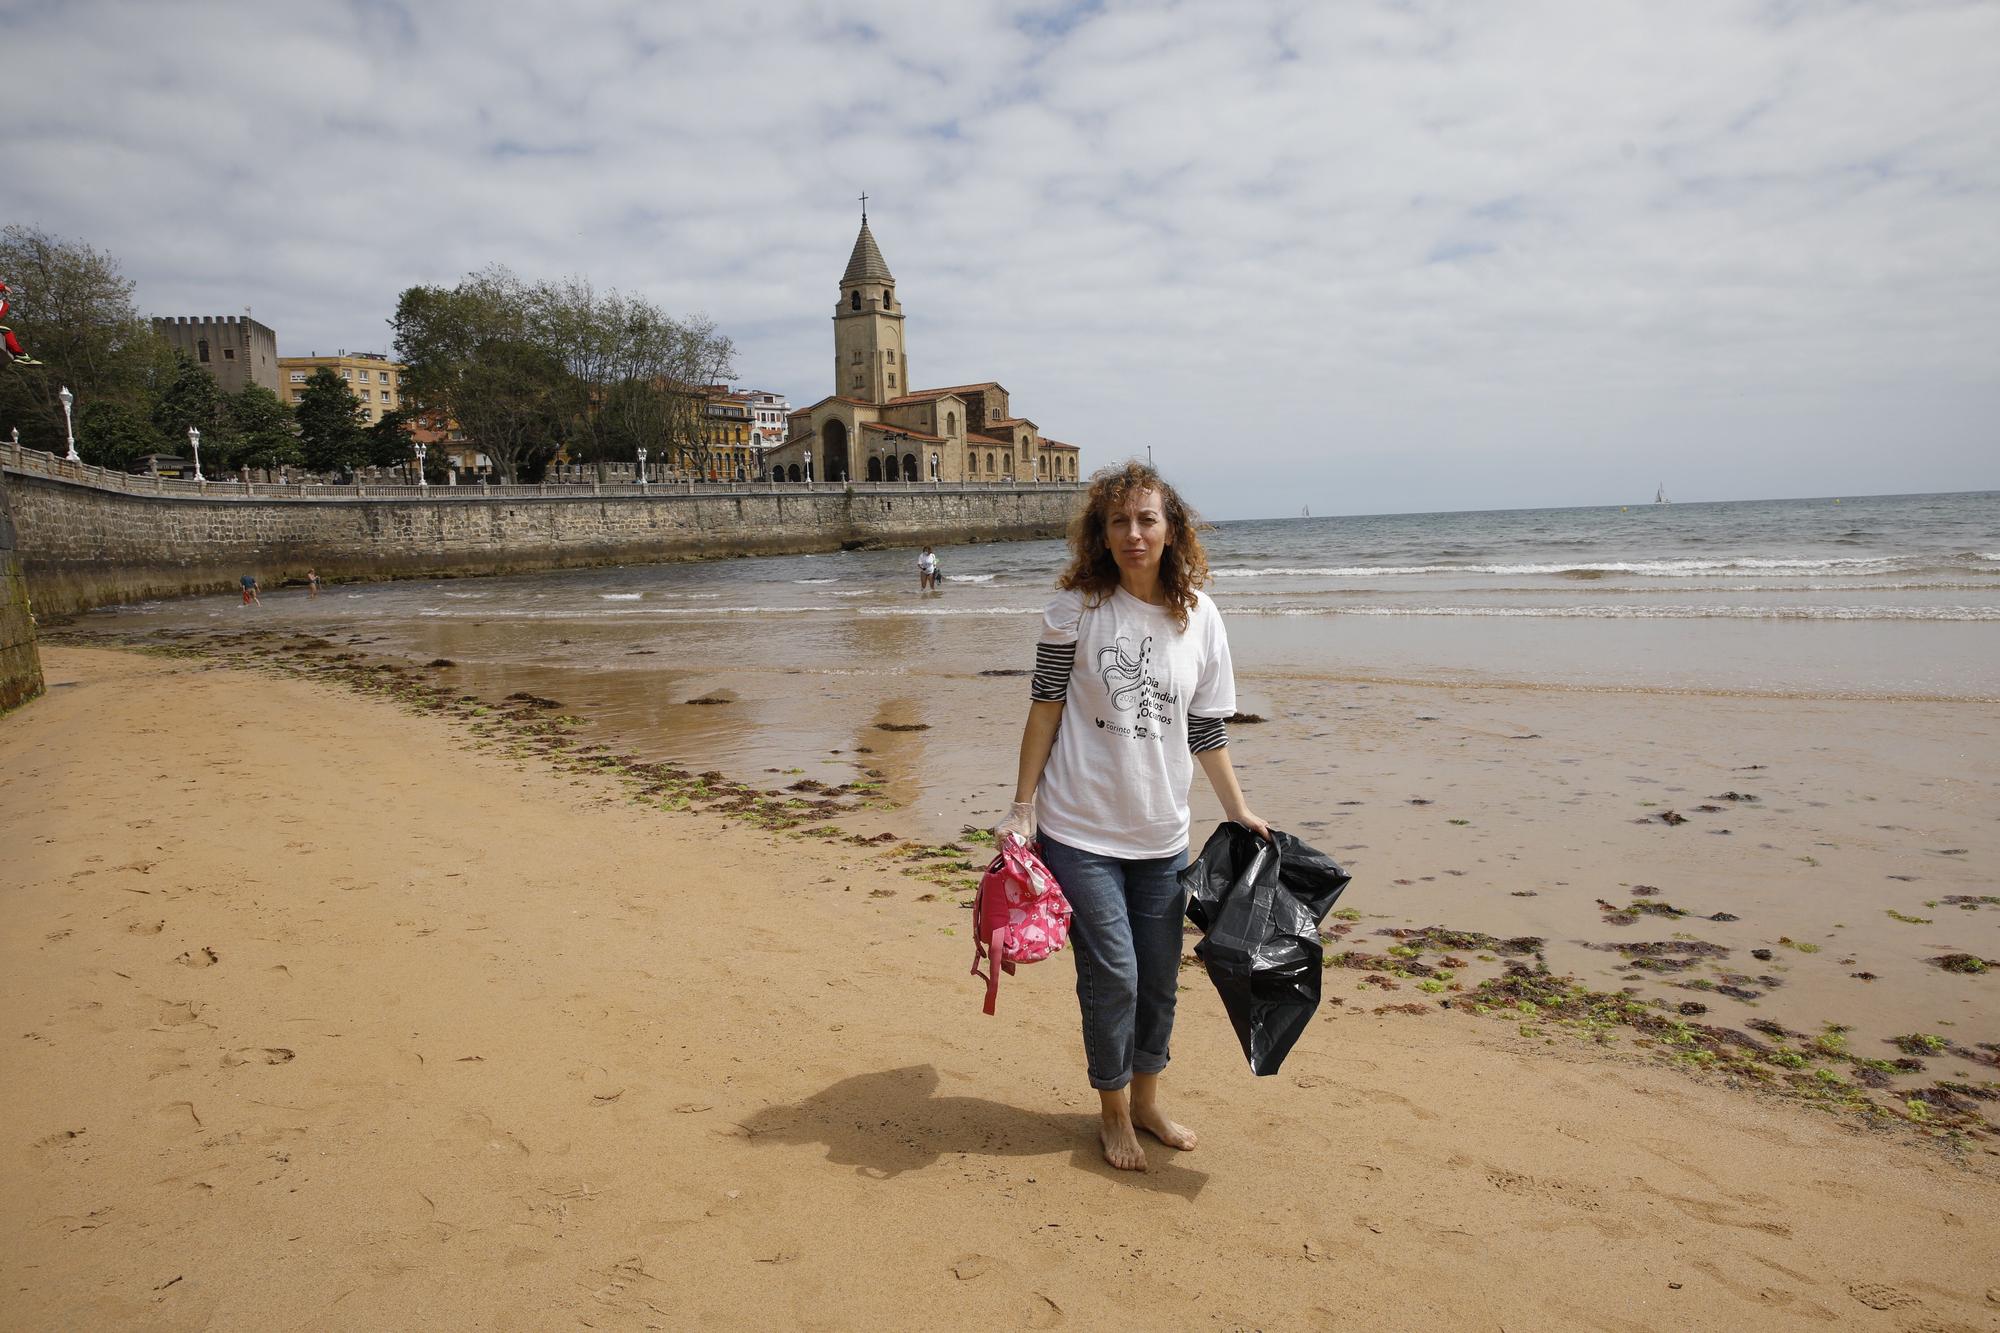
{"x": 325, "y": 1013}
{"x": 1747, "y": 861}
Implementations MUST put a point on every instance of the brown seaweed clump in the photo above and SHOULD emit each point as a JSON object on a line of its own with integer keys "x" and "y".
{"x": 1441, "y": 939}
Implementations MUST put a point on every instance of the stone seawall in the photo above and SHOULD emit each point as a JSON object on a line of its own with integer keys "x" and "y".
{"x": 83, "y": 545}
{"x": 20, "y": 663}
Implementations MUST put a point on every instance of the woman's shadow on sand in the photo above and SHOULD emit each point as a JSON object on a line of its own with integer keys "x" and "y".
{"x": 885, "y": 1123}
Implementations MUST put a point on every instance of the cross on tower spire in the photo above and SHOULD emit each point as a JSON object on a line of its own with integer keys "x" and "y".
{"x": 864, "y": 206}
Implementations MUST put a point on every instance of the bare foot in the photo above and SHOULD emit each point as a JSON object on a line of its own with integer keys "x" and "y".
{"x": 1121, "y": 1145}
{"x": 1154, "y": 1121}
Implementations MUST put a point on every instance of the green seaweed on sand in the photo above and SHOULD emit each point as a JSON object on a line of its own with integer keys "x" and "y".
{"x": 1965, "y": 964}
{"x": 1821, "y": 1071}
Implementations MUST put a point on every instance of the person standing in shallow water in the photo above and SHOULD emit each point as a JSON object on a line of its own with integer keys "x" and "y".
{"x": 1134, "y": 659}
{"x": 927, "y": 570}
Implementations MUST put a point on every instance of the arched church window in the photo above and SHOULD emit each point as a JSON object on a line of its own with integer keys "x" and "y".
{"x": 971, "y": 462}
{"x": 989, "y": 460}
{"x": 874, "y": 469}
{"x": 854, "y": 300}
{"x": 888, "y": 298}
{"x": 1008, "y": 459}
{"x": 951, "y": 423}
{"x": 909, "y": 467}
{"x": 202, "y": 346}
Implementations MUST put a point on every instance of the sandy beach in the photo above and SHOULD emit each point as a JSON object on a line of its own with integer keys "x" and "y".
{"x": 321, "y": 1017}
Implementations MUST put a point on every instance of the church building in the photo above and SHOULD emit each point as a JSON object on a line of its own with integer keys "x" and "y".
{"x": 877, "y": 426}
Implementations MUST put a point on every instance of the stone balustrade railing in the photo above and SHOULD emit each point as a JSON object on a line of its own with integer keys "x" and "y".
{"x": 35, "y": 463}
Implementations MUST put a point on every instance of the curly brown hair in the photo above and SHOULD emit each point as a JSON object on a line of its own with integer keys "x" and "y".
{"x": 1093, "y": 569}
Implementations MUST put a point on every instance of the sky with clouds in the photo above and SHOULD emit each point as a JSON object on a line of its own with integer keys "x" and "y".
{"x": 1366, "y": 257}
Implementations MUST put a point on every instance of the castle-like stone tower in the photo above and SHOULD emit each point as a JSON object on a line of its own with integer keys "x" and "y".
{"x": 868, "y": 357}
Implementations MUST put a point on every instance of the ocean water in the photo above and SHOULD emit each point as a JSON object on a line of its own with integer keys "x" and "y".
{"x": 1869, "y": 596}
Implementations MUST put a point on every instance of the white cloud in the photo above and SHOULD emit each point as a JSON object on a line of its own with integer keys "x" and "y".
{"x": 1404, "y": 256}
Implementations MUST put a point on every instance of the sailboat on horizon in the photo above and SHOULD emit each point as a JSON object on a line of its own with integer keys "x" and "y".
{"x": 1305, "y": 511}
{"x": 1660, "y": 496}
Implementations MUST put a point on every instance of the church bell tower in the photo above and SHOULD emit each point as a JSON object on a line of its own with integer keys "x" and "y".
{"x": 868, "y": 358}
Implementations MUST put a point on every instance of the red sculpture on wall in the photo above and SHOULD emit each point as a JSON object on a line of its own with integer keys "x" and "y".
{"x": 8, "y": 342}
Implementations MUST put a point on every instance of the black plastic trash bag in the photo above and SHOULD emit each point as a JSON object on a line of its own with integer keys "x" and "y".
{"x": 1258, "y": 905}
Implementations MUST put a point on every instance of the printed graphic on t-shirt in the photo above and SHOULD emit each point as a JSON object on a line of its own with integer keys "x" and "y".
{"x": 1128, "y": 679}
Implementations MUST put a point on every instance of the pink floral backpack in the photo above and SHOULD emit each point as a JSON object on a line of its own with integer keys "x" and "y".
{"x": 1020, "y": 915}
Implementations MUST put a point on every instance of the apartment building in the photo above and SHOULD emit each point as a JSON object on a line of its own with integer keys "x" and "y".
{"x": 371, "y": 376}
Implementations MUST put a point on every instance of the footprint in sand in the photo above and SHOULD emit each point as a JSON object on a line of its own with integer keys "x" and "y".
{"x": 478, "y": 1132}
{"x": 204, "y": 957}
{"x": 145, "y": 927}
{"x": 1877, "y": 1296}
{"x": 1558, "y": 1191}
{"x": 180, "y": 1013}
{"x": 177, "y": 1115}
{"x": 258, "y": 1055}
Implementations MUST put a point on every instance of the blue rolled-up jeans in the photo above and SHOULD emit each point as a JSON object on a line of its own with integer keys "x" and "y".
{"x": 1125, "y": 930}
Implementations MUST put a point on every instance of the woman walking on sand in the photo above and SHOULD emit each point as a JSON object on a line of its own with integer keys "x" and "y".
{"x": 1134, "y": 657}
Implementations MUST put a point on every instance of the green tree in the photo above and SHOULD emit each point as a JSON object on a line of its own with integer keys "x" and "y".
{"x": 191, "y": 397}
{"x": 116, "y": 435}
{"x": 605, "y": 373}
{"x": 511, "y": 396}
{"x": 391, "y": 441}
{"x": 266, "y": 435}
{"x": 470, "y": 355}
{"x": 74, "y": 309}
{"x": 331, "y": 424}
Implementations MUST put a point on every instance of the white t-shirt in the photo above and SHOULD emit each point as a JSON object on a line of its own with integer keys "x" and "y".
{"x": 927, "y": 563}
{"x": 1117, "y": 780}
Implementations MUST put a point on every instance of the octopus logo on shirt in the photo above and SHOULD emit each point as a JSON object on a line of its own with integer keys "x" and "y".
{"x": 1128, "y": 679}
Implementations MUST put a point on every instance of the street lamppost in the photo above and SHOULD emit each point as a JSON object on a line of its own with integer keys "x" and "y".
{"x": 68, "y": 429}
{"x": 642, "y": 467}
{"x": 934, "y": 469}
{"x": 420, "y": 466}
{"x": 809, "y": 467}
{"x": 194, "y": 443}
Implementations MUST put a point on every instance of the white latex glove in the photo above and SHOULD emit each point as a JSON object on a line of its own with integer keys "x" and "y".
{"x": 1019, "y": 821}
